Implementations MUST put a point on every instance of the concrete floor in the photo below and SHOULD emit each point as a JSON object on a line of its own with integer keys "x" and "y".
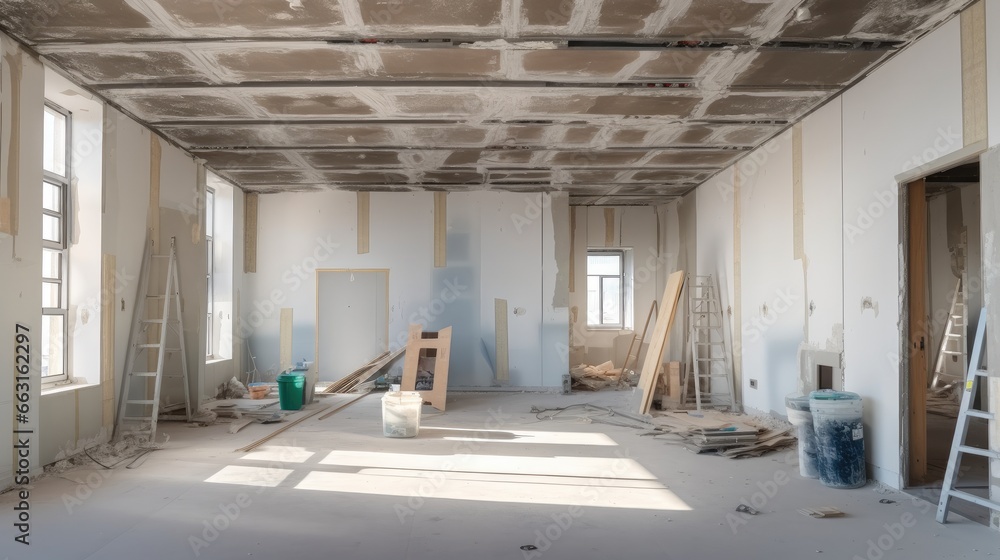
{"x": 479, "y": 482}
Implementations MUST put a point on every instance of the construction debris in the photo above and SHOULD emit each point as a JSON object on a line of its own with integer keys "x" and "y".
{"x": 594, "y": 378}
{"x": 714, "y": 432}
{"x": 821, "y": 512}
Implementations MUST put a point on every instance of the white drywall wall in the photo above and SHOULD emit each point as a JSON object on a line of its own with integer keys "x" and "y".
{"x": 20, "y": 265}
{"x": 495, "y": 250}
{"x": 822, "y": 194}
{"x": 888, "y": 128}
{"x": 772, "y": 280}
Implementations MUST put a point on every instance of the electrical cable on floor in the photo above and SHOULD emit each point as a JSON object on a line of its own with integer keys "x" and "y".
{"x": 135, "y": 457}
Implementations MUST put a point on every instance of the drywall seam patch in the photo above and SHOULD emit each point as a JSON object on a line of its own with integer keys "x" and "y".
{"x": 250, "y": 209}
{"x": 364, "y": 222}
{"x": 153, "y": 218}
{"x": 13, "y": 62}
{"x": 974, "y": 95}
{"x": 572, "y": 249}
{"x": 609, "y": 227}
{"x": 798, "y": 205}
{"x": 737, "y": 289}
{"x": 108, "y": 298}
{"x": 440, "y": 229}
{"x": 285, "y": 339}
{"x": 501, "y": 348}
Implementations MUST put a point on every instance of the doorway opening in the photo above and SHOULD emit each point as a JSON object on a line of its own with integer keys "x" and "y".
{"x": 944, "y": 293}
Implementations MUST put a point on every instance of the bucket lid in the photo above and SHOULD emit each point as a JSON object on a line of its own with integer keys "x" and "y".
{"x": 289, "y": 377}
{"x": 831, "y": 395}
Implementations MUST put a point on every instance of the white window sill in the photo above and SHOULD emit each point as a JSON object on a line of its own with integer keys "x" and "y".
{"x": 603, "y": 328}
{"x": 75, "y": 385}
{"x": 210, "y": 361}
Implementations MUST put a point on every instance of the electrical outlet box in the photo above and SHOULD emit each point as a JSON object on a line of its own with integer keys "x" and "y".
{"x": 753, "y": 383}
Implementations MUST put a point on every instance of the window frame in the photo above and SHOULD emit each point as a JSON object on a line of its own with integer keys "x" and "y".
{"x": 210, "y": 271}
{"x": 621, "y": 277}
{"x": 62, "y": 246}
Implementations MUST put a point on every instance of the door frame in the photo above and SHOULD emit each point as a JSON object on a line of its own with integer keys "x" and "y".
{"x": 914, "y": 465}
{"x": 317, "y": 303}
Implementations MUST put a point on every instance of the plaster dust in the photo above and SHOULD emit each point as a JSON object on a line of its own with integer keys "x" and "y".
{"x": 481, "y": 481}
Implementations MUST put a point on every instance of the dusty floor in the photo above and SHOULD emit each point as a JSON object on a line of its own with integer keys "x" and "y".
{"x": 480, "y": 481}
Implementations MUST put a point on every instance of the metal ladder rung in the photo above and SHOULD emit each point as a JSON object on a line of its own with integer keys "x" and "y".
{"x": 968, "y": 450}
{"x": 150, "y": 345}
{"x": 980, "y": 414}
{"x": 979, "y": 500}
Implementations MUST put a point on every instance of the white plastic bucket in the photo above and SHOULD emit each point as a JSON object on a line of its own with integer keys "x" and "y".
{"x": 840, "y": 438}
{"x": 401, "y": 413}
{"x": 799, "y": 416}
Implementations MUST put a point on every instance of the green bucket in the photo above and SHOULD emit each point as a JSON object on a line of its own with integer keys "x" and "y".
{"x": 291, "y": 390}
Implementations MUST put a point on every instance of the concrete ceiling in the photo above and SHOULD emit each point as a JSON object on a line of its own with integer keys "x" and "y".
{"x": 613, "y": 101}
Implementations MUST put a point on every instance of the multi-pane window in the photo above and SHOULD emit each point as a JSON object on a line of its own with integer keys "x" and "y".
{"x": 210, "y": 250}
{"x": 605, "y": 288}
{"x": 55, "y": 202}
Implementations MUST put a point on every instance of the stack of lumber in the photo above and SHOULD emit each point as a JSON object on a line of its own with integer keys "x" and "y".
{"x": 362, "y": 375}
{"x": 593, "y": 378}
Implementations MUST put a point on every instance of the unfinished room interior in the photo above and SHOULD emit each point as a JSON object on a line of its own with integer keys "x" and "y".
{"x": 629, "y": 278}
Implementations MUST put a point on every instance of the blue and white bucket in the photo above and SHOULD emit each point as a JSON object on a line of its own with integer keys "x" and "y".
{"x": 840, "y": 438}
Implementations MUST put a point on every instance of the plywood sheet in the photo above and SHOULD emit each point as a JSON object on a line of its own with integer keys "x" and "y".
{"x": 416, "y": 344}
{"x": 658, "y": 342}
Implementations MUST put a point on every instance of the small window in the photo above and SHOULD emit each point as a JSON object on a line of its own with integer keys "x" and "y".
{"x": 605, "y": 288}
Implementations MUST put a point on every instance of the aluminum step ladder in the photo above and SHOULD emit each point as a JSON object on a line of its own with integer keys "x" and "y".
{"x": 949, "y": 368}
{"x": 709, "y": 357}
{"x": 959, "y": 448}
{"x": 151, "y": 341}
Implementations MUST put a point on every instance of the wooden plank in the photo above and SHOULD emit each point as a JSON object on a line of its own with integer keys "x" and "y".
{"x": 440, "y": 229}
{"x": 340, "y": 406}
{"x": 437, "y": 396}
{"x": 285, "y": 340}
{"x": 658, "y": 342}
{"x": 284, "y": 427}
{"x": 918, "y": 335}
{"x": 250, "y": 209}
{"x": 364, "y": 222}
{"x": 502, "y": 351}
{"x": 974, "y": 81}
{"x": 108, "y": 300}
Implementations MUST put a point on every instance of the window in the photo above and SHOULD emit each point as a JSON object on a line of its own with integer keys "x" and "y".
{"x": 55, "y": 202}
{"x": 210, "y": 250}
{"x": 605, "y": 288}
